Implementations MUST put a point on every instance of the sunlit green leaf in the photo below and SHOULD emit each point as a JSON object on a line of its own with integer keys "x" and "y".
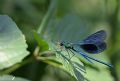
{"x": 102, "y": 75}
{"x": 43, "y": 45}
{"x": 11, "y": 78}
{"x": 73, "y": 66}
{"x": 12, "y": 43}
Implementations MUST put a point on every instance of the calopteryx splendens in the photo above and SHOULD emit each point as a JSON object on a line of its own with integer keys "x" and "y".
{"x": 93, "y": 44}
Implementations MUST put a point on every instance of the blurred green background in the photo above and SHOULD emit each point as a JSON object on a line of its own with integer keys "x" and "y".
{"x": 70, "y": 20}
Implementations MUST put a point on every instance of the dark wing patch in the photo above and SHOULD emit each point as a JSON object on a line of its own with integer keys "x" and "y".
{"x": 94, "y": 48}
{"x": 92, "y": 44}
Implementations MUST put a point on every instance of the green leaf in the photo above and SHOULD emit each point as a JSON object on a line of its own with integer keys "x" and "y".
{"x": 102, "y": 75}
{"x": 12, "y": 43}
{"x": 73, "y": 66}
{"x": 41, "y": 42}
{"x": 11, "y": 78}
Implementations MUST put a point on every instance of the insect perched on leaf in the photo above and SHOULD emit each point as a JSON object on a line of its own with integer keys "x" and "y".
{"x": 93, "y": 44}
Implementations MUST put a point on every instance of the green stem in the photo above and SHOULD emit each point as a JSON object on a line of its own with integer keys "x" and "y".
{"x": 16, "y": 66}
{"x": 114, "y": 22}
{"x": 50, "y": 13}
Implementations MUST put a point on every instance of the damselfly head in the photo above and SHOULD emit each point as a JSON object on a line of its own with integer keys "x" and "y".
{"x": 61, "y": 44}
{"x": 65, "y": 44}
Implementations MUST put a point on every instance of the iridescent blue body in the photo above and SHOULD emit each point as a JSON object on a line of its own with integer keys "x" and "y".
{"x": 93, "y": 44}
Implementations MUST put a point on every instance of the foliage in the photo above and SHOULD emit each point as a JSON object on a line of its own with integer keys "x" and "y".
{"x": 46, "y": 22}
{"x": 13, "y": 46}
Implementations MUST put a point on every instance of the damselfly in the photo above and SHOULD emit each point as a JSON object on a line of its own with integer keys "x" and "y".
{"x": 93, "y": 44}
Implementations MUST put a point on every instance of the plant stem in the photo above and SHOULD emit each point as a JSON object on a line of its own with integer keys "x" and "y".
{"x": 114, "y": 22}
{"x": 16, "y": 66}
{"x": 48, "y": 16}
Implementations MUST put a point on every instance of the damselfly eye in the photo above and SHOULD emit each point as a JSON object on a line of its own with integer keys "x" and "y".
{"x": 61, "y": 44}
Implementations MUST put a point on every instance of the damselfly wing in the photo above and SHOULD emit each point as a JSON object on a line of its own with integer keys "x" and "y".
{"x": 93, "y": 44}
